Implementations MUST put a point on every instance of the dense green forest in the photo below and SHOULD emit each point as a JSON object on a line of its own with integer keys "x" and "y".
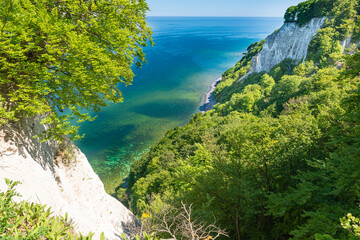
{"x": 279, "y": 156}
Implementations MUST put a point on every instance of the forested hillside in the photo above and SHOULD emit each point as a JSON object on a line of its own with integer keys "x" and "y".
{"x": 279, "y": 155}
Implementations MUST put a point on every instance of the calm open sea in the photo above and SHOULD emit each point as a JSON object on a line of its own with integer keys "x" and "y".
{"x": 189, "y": 53}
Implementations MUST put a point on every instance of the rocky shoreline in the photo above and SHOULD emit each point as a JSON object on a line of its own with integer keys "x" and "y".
{"x": 209, "y": 97}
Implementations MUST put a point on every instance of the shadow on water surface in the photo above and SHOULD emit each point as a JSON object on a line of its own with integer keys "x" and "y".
{"x": 168, "y": 109}
{"x": 99, "y": 140}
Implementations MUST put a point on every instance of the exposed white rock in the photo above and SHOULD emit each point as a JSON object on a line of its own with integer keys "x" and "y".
{"x": 67, "y": 184}
{"x": 346, "y": 43}
{"x": 290, "y": 41}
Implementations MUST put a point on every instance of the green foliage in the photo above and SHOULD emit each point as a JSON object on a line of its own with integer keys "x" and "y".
{"x": 283, "y": 68}
{"x": 353, "y": 65}
{"x": 305, "y": 69}
{"x": 352, "y": 224}
{"x": 344, "y": 15}
{"x": 145, "y": 236}
{"x": 26, "y": 220}
{"x": 325, "y": 48}
{"x": 323, "y": 237}
{"x": 61, "y": 57}
{"x": 305, "y": 11}
{"x": 244, "y": 102}
{"x": 267, "y": 82}
{"x": 356, "y": 33}
{"x": 231, "y": 77}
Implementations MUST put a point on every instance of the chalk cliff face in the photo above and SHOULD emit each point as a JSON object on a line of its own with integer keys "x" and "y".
{"x": 61, "y": 177}
{"x": 290, "y": 41}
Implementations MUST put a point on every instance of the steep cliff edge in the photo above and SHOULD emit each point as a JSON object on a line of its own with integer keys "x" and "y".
{"x": 290, "y": 41}
{"x": 61, "y": 177}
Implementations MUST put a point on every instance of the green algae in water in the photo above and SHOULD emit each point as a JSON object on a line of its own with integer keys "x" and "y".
{"x": 188, "y": 55}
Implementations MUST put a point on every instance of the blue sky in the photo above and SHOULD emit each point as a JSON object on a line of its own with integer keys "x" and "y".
{"x": 239, "y": 8}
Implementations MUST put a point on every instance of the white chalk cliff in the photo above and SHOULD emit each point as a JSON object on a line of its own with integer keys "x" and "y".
{"x": 290, "y": 41}
{"x": 61, "y": 177}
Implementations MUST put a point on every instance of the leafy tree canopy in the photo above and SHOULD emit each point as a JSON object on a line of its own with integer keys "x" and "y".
{"x": 65, "y": 55}
{"x": 305, "y": 11}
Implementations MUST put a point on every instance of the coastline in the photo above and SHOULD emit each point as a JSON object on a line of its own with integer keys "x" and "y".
{"x": 210, "y": 101}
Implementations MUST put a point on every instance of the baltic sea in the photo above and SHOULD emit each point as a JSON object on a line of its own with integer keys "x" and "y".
{"x": 189, "y": 53}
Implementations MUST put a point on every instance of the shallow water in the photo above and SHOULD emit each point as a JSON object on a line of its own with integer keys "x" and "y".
{"x": 189, "y": 54}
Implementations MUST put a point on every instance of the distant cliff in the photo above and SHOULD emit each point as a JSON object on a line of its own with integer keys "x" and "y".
{"x": 60, "y": 176}
{"x": 290, "y": 41}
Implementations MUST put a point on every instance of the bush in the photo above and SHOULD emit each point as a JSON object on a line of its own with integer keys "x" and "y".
{"x": 29, "y": 221}
{"x": 305, "y": 11}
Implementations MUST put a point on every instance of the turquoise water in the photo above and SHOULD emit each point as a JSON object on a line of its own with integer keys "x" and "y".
{"x": 188, "y": 55}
